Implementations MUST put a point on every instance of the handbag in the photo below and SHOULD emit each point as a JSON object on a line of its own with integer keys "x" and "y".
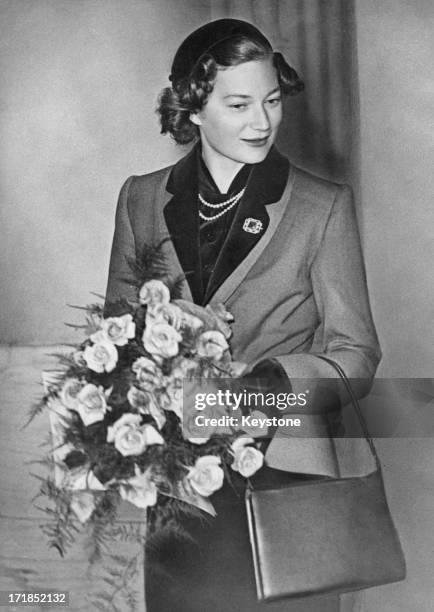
{"x": 330, "y": 535}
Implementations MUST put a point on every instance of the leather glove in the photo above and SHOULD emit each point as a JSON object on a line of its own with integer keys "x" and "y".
{"x": 267, "y": 376}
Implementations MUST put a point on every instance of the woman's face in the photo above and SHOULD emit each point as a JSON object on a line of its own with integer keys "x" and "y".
{"x": 239, "y": 122}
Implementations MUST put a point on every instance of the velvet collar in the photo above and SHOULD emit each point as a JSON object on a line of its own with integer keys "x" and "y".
{"x": 269, "y": 177}
{"x": 265, "y": 186}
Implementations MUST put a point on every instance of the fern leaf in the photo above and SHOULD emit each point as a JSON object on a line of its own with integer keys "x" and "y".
{"x": 36, "y": 409}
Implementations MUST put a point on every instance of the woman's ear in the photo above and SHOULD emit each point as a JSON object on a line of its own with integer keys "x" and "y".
{"x": 194, "y": 118}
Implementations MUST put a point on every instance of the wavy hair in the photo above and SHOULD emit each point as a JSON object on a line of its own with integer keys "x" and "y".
{"x": 190, "y": 93}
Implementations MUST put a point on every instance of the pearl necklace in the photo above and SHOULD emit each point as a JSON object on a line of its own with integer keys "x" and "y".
{"x": 230, "y": 203}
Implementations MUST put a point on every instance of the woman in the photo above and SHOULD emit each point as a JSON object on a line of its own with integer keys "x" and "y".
{"x": 279, "y": 247}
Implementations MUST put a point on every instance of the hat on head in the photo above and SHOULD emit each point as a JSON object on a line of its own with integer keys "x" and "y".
{"x": 201, "y": 41}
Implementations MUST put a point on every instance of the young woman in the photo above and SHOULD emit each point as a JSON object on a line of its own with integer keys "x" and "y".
{"x": 279, "y": 247}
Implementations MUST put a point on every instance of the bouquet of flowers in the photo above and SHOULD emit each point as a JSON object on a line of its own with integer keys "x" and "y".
{"x": 117, "y": 414}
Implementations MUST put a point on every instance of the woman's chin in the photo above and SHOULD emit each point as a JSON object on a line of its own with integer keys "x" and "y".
{"x": 255, "y": 154}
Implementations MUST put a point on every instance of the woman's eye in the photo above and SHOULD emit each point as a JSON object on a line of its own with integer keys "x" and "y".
{"x": 274, "y": 101}
{"x": 240, "y": 106}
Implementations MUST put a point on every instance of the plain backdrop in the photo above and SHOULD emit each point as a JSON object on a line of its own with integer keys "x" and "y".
{"x": 78, "y": 87}
{"x": 78, "y": 94}
{"x": 79, "y": 90}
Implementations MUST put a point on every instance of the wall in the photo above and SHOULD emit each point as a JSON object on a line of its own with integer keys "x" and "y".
{"x": 78, "y": 87}
{"x": 396, "y": 57}
{"x": 78, "y": 79}
{"x": 319, "y": 128}
{"x": 78, "y": 91}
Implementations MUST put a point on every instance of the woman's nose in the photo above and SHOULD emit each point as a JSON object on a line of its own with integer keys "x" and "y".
{"x": 260, "y": 119}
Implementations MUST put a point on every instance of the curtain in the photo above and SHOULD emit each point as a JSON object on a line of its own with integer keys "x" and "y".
{"x": 320, "y": 127}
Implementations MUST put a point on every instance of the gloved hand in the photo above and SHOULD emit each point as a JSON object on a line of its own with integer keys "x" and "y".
{"x": 266, "y": 378}
{"x": 272, "y": 375}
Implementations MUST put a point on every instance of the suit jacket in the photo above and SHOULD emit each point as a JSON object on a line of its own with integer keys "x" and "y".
{"x": 296, "y": 289}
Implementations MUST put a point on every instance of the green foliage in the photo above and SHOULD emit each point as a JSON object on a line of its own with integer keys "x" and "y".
{"x": 63, "y": 527}
{"x": 94, "y": 315}
{"x": 175, "y": 287}
{"x": 129, "y": 532}
{"x": 101, "y": 522}
{"x": 37, "y": 408}
{"x": 122, "y": 572}
{"x": 65, "y": 359}
{"x": 150, "y": 264}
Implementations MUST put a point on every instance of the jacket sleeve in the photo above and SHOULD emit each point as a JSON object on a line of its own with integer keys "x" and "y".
{"x": 121, "y": 280}
{"x": 346, "y": 333}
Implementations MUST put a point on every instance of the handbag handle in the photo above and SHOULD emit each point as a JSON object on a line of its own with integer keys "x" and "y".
{"x": 356, "y": 405}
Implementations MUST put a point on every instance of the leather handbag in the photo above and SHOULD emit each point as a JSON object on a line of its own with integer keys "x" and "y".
{"x": 330, "y": 535}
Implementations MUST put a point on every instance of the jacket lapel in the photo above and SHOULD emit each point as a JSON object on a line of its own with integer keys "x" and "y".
{"x": 275, "y": 213}
{"x": 182, "y": 220}
{"x": 265, "y": 187}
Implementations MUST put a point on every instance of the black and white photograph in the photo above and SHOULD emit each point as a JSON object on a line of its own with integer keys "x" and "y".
{"x": 217, "y": 305}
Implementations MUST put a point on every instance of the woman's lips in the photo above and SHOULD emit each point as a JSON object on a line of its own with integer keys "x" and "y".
{"x": 256, "y": 142}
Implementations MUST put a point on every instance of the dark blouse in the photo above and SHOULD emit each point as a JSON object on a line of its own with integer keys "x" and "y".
{"x": 212, "y": 234}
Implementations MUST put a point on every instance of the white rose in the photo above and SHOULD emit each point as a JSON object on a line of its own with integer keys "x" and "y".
{"x": 154, "y": 292}
{"x": 212, "y": 344}
{"x": 137, "y": 398}
{"x": 117, "y": 330}
{"x": 83, "y": 504}
{"x": 185, "y": 368}
{"x": 101, "y": 356}
{"x": 165, "y": 313}
{"x": 140, "y": 489}
{"x": 130, "y": 437}
{"x": 161, "y": 339}
{"x": 145, "y": 403}
{"x": 195, "y": 316}
{"x": 206, "y": 476}
{"x": 222, "y": 318}
{"x": 189, "y": 321}
{"x": 201, "y": 433}
{"x": 172, "y": 399}
{"x": 84, "y": 479}
{"x": 194, "y": 433}
{"x": 220, "y": 311}
{"x": 247, "y": 459}
{"x": 147, "y": 373}
{"x": 69, "y": 391}
{"x": 91, "y": 404}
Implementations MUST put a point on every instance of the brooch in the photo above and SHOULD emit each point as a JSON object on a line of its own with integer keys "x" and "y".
{"x": 252, "y": 226}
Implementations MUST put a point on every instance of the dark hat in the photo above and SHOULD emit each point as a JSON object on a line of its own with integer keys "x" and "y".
{"x": 201, "y": 41}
